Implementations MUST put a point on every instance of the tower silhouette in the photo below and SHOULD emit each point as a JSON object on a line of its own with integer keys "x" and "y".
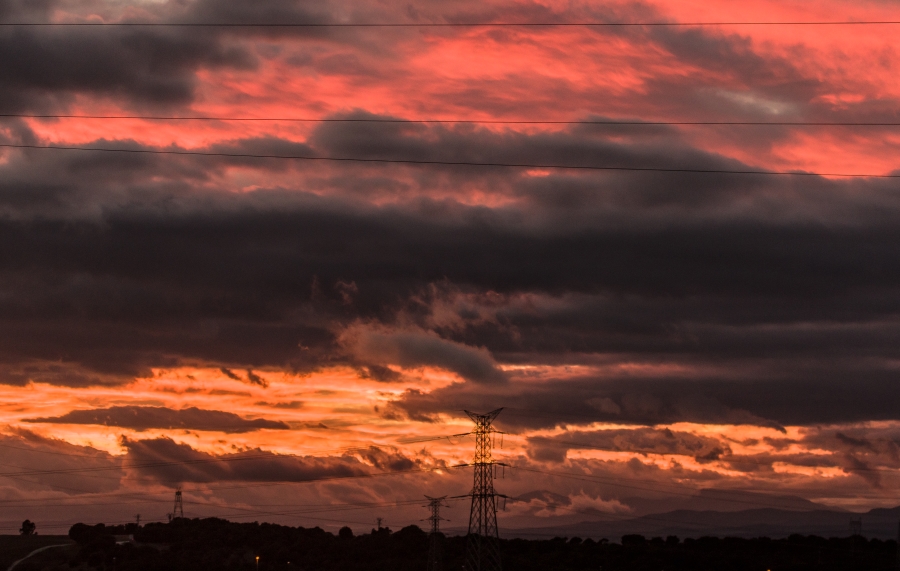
{"x": 898, "y": 547}
{"x": 435, "y": 561}
{"x": 178, "y": 510}
{"x": 483, "y": 541}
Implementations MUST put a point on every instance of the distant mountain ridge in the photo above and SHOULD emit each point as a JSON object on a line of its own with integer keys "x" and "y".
{"x": 879, "y": 523}
{"x": 723, "y": 501}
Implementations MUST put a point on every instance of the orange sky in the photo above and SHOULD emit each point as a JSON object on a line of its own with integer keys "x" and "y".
{"x": 342, "y": 410}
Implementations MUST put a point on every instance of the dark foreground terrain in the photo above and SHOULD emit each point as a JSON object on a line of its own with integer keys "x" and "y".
{"x": 215, "y": 544}
{"x": 15, "y": 547}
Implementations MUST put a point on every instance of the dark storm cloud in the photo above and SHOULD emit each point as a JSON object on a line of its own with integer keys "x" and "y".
{"x": 734, "y": 55}
{"x": 714, "y": 71}
{"x": 271, "y": 11}
{"x": 581, "y": 146}
{"x": 34, "y": 463}
{"x": 167, "y": 461}
{"x": 809, "y": 397}
{"x": 776, "y": 294}
{"x": 25, "y": 10}
{"x": 44, "y": 67}
{"x": 146, "y": 417}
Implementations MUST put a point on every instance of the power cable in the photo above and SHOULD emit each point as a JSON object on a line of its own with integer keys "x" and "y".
{"x": 467, "y": 121}
{"x": 193, "y": 462}
{"x": 96, "y": 456}
{"x": 205, "y": 489}
{"x": 316, "y": 508}
{"x": 589, "y": 24}
{"x": 660, "y": 488}
{"x": 248, "y": 512}
{"x": 732, "y": 460}
{"x": 655, "y": 487}
{"x": 431, "y": 438}
{"x": 549, "y": 440}
{"x": 450, "y": 163}
{"x": 583, "y": 477}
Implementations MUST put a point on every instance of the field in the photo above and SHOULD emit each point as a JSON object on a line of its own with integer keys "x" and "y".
{"x": 14, "y": 547}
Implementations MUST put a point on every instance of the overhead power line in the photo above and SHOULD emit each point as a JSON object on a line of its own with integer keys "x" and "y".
{"x": 205, "y": 461}
{"x": 588, "y": 24}
{"x": 428, "y": 162}
{"x": 612, "y": 122}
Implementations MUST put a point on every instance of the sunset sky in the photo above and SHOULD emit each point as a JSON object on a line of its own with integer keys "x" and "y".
{"x": 689, "y": 308}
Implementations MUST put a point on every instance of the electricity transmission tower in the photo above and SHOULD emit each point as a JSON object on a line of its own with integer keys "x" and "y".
{"x": 898, "y": 547}
{"x": 178, "y": 510}
{"x": 434, "y": 539}
{"x": 483, "y": 542}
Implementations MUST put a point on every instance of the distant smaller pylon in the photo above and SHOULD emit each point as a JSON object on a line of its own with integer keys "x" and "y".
{"x": 435, "y": 562}
{"x": 178, "y": 510}
{"x": 898, "y": 546}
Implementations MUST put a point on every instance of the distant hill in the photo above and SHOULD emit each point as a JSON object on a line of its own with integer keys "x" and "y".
{"x": 770, "y": 522}
{"x": 723, "y": 501}
{"x": 704, "y": 500}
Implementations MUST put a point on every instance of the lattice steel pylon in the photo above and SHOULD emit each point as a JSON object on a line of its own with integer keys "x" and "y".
{"x": 435, "y": 561}
{"x": 483, "y": 542}
{"x": 178, "y": 510}
{"x": 898, "y": 547}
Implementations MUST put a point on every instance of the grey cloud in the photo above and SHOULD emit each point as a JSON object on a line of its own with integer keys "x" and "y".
{"x": 43, "y": 66}
{"x": 256, "y": 379}
{"x": 289, "y": 405}
{"x": 230, "y": 374}
{"x": 46, "y": 464}
{"x": 167, "y": 461}
{"x": 22, "y": 372}
{"x": 272, "y": 11}
{"x": 387, "y": 460}
{"x": 840, "y": 397}
{"x": 765, "y": 286}
{"x": 26, "y": 10}
{"x": 252, "y": 377}
{"x": 420, "y": 348}
{"x": 147, "y": 417}
{"x": 640, "y": 440}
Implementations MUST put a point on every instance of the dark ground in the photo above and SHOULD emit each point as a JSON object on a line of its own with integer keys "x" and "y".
{"x": 14, "y": 547}
{"x": 214, "y": 544}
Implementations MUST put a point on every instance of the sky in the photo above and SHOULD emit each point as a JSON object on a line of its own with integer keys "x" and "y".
{"x": 691, "y": 315}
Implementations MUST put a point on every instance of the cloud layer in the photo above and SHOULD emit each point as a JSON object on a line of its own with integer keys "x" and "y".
{"x": 668, "y": 309}
{"x": 145, "y": 417}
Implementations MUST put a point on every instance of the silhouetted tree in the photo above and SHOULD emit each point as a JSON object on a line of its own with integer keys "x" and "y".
{"x": 28, "y": 528}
